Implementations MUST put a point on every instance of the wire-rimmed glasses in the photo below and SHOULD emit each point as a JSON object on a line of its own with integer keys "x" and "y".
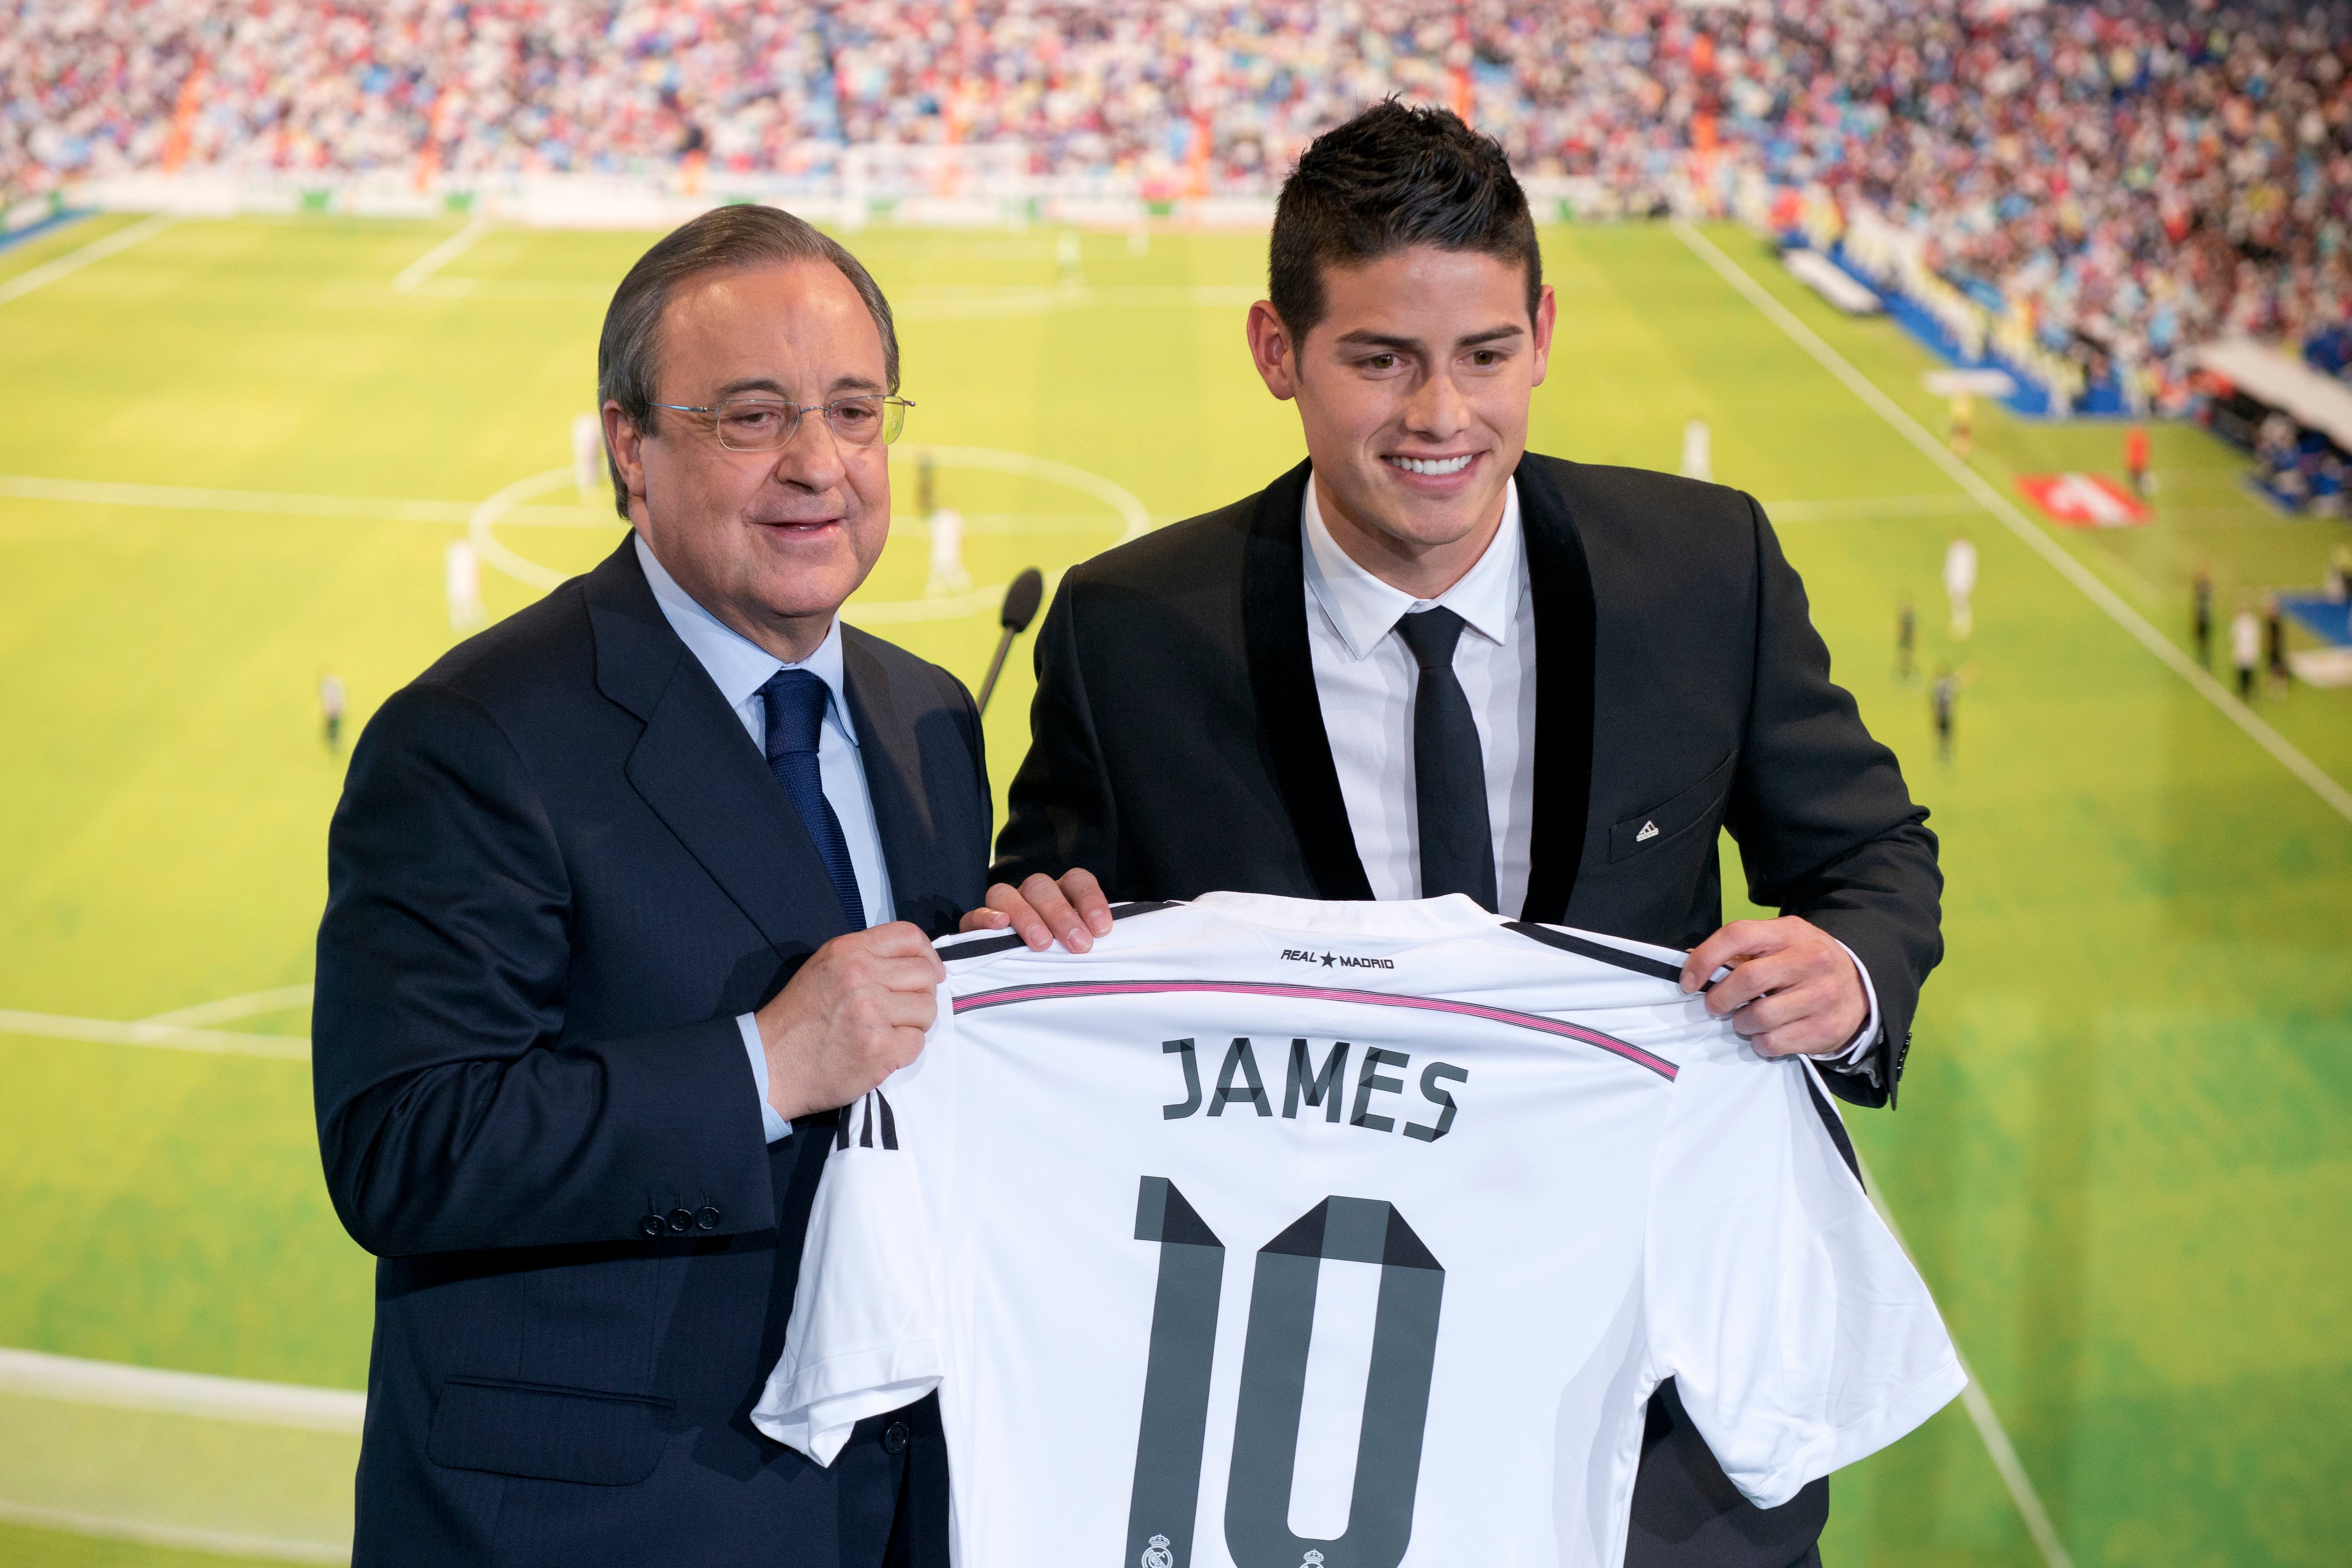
{"x": 767, "y": 424}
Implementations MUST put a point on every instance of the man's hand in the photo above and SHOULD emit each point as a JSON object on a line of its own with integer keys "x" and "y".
{"x": 1792, "y": 990}
{"x": 853, "y": 1015}
{"x": 1042, "y": 911}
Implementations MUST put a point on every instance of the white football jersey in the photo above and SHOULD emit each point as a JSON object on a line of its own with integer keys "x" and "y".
{"x": 1276, "y": 1234}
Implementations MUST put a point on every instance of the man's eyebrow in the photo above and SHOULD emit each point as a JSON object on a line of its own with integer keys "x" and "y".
{"x": 1492, "y": 334}
{"x": 1366, "y": 338}
{"x": 847, "y": 384}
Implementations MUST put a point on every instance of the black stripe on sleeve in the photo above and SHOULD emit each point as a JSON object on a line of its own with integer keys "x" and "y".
{"x": 960, "y": 951}
{"x": 1836, "y": 1127}
{"x": 889, "y": 1122}
{"x": 957, "y": 953}
{"x": 1601, "y": 952}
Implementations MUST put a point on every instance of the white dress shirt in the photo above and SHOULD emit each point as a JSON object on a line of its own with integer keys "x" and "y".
{"x": 1365, "y": 677}
{"x": 739, "y": 667}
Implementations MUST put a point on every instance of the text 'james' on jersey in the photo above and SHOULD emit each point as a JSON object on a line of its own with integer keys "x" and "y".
{"x": 1240, "y": 1081}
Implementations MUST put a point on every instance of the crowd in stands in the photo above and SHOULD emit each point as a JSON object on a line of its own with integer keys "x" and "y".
{"x": 2124, "y": 178}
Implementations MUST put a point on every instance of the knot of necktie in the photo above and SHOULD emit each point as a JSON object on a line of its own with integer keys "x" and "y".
{"x": 795, "y": 700}
{"x": 1431, "y": 634}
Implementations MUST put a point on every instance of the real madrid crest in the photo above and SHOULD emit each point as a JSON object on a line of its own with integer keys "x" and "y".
{"x": 1157, "y": 1556}
{"x": 1312, "y": 1560}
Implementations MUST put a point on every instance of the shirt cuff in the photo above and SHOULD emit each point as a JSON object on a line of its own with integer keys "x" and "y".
{"x": 773, "y": 1123}
{"x": 1856, "y": 1056}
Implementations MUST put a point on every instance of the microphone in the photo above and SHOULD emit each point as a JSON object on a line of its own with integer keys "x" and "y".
{"x": 1020, "y": 601}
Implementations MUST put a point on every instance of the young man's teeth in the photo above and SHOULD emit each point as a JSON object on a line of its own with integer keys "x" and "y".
{"x": 1431, "y": 465}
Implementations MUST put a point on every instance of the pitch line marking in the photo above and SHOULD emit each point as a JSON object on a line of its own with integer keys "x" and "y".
{"x": 73, "y": 261}
{"x": 2322, "y": 783}
{"x": 227, "y": 1543}
{"x": 228, "y": 1009}
{"x": 275, "y": 503}
{"x": 126, "y": 1387}
{"x": 161, "y": 1036}
{"x": 440, "y": 255}
{"x": 2002, "y": 1452}
{"x": 1120, "y": 499}
{"x": 870, "y": 612}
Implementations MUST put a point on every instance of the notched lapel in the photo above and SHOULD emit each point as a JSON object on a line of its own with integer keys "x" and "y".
{"x": 699, "y": 772}
{"x": 1282, "y": 678}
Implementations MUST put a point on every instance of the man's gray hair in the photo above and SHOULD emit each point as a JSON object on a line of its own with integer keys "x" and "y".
{"x": 628, "y": 354}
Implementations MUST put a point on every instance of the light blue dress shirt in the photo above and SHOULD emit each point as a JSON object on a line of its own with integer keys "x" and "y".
{"x": 739, "y": 667}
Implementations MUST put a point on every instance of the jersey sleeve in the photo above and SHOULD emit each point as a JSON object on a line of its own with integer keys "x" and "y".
{"x": 1797, "y": 1331}
{"x": 864, "y": 1336}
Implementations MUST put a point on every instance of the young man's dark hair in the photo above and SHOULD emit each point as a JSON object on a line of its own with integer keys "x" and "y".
{"x": 1391, "y": 177}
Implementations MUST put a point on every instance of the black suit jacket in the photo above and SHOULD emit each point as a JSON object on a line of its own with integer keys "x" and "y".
{"x": 1178, "y": 745}
{"x": 559, "y": 871}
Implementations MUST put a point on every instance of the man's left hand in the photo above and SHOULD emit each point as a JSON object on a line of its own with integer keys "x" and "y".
{"x": 1792, "y": 990}
{"x": 1043, "y": 912}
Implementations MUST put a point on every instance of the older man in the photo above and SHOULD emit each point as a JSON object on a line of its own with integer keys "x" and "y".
{"x": 626, "y": 895}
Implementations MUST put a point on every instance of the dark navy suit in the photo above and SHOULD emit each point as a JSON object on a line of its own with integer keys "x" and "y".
{"x": 558, "y": 871}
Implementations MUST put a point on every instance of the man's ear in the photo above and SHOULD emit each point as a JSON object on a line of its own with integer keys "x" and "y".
{"x": 1272, "y": 352}
{"x": 1547, "y": 311}
{"x": 625, "y": 443}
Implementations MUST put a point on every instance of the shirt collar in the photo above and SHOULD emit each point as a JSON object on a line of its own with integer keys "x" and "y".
{"x": 737, "y": 665}
{"x": 1363, "y": 609}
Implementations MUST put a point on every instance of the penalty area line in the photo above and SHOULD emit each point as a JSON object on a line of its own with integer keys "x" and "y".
{"x": 2322, "y": 783}
{"x": 73, "y": 261}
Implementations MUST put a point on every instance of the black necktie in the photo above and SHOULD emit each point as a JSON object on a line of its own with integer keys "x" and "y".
{"x": 796, "y": 702}
{"x": 1449, "y": 770}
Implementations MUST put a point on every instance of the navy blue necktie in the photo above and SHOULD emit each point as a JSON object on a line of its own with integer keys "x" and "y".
{"x": 796, "y": 702}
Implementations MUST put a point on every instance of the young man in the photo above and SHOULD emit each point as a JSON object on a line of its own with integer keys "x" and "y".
{"x": 1427, "y": 662}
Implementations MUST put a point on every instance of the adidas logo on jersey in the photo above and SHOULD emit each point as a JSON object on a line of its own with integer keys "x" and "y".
{"x": 1649, "y": 830}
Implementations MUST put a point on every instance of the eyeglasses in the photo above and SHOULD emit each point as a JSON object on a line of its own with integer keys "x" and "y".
{"x": 767, "y": 424}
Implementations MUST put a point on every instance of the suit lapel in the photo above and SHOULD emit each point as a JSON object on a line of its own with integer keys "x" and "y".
{"x": 891, "y": 755}
{"x": 699, "y": 772}
{"x": 1560, "y": 581}
{"x": 1282, "y": 678}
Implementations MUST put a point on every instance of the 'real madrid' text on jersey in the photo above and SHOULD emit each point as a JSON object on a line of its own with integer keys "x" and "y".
{"x": 1316, "y": 1075}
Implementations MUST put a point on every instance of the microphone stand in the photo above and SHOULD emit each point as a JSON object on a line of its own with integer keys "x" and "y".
{"x": 1020, "y": 602}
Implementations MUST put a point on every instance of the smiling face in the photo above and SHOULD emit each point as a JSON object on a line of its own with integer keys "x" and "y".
{"x": 770, "y": 542}
{"x": 1413, "y": 390}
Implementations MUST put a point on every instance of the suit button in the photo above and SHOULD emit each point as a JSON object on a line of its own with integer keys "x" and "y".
{"x": 706, "y": 1219}
{"x": 894, "y": 1437}
{"x": 680, "y": 1220}
{"x": 651, "y": 1225}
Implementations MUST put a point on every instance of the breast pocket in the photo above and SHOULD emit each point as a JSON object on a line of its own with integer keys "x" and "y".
{"x": 1697, "y": 807}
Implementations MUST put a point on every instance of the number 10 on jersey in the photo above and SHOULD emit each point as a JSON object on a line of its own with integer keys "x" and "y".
{"x": 1168, "y": 1451}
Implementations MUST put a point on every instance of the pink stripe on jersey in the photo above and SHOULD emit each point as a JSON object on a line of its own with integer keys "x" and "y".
{"x": 1536, "y": 1021}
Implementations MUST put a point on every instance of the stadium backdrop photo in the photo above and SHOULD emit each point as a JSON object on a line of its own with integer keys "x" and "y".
{"x": 293, "y": 406}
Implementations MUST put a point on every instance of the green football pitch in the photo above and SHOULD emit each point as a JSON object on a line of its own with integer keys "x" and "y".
{"x": 236, "y": 451}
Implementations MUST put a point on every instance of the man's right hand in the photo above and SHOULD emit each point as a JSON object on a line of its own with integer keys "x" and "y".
{"x": 856, "y": 1013}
